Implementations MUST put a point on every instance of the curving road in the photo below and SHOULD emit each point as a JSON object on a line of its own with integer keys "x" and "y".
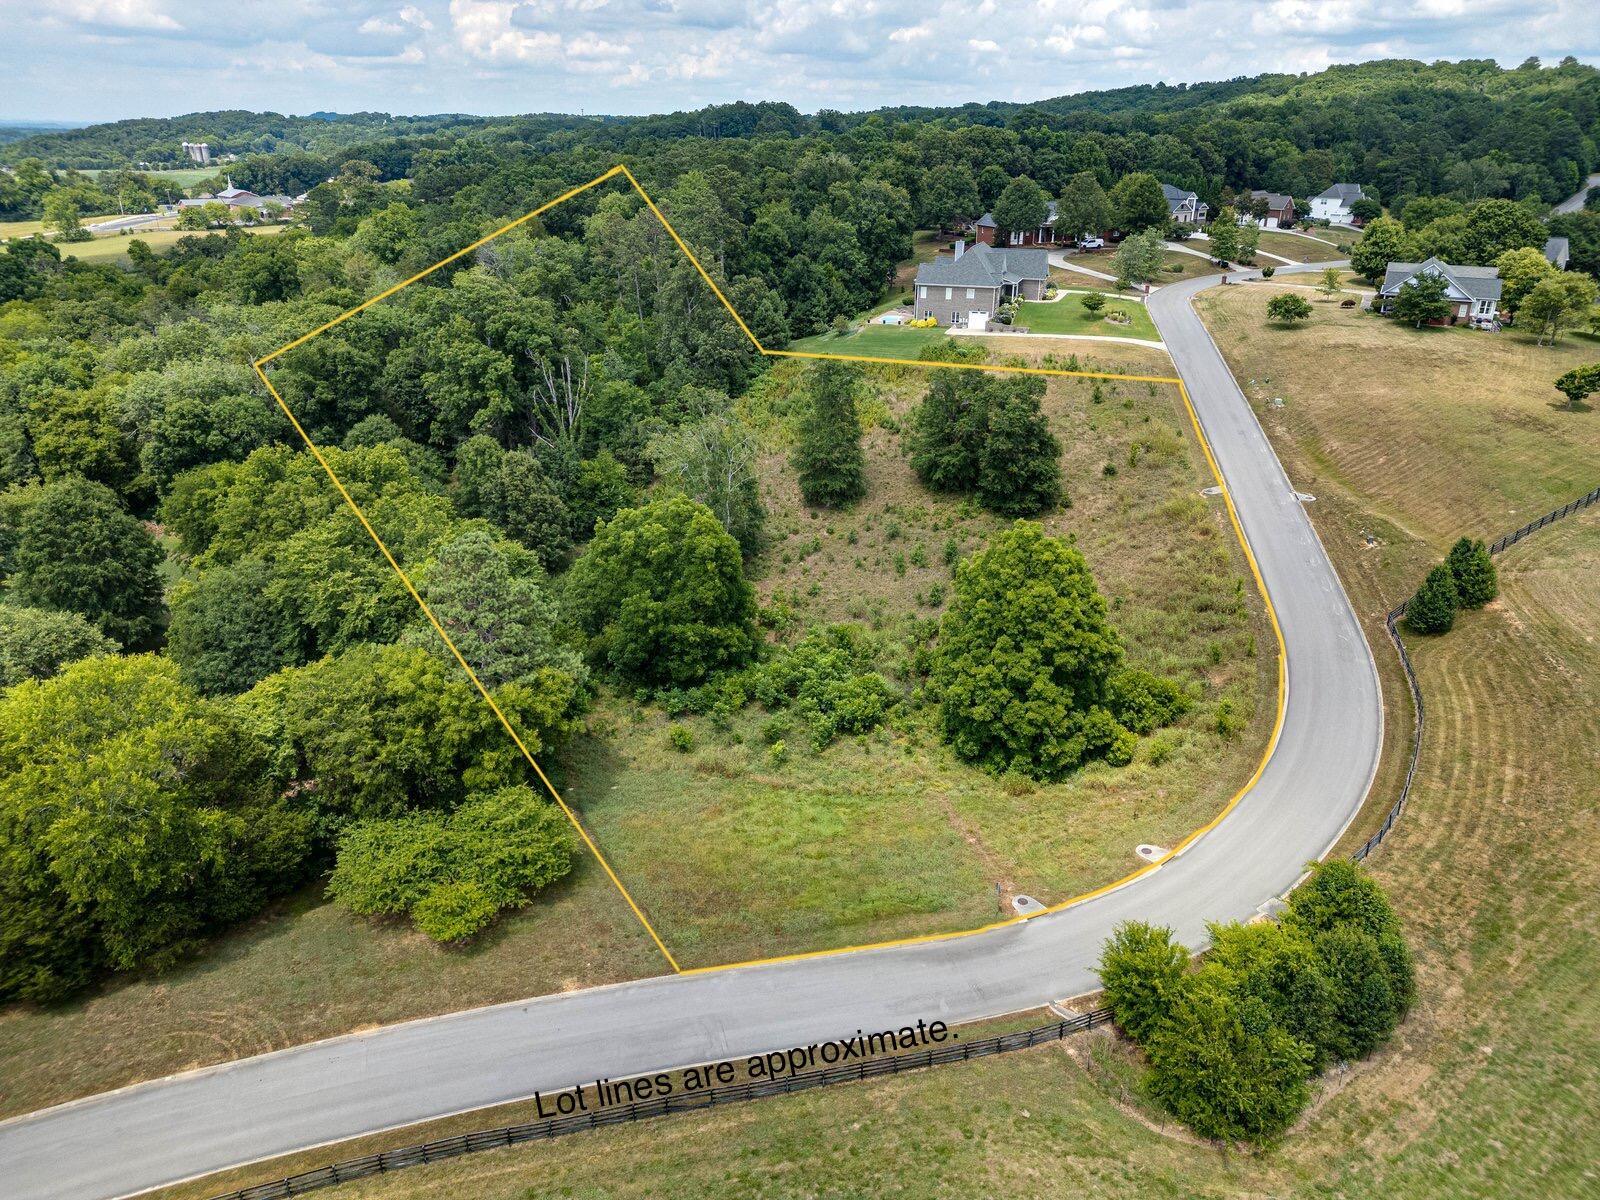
{"x": 154, "y": 1133}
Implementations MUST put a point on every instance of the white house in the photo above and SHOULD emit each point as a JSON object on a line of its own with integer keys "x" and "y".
{"x": 1183, "y": 206}
{"x": 1334, "y": 204}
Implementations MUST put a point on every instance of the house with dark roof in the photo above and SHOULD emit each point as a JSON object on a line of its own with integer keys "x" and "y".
{"x": 1279, "y": 214}
{"x": 979, "y": 280}
{"x": 1333, "y": 205}
{"x": 1559, "y": 251}
{"x": 1184, "y": 207}
{"x": 985, "y": 231}
{"x": 1473, "y": 292}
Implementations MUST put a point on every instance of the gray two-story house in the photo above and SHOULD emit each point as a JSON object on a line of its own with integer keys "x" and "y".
{"x": 978, "y": 280}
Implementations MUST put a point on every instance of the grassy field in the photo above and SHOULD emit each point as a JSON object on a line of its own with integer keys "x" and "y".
{"x": 182, "y": 176}
{"x": 14, "y": 229}
{"x": 115, "y": 246}
{"x": 879, "y": 341}
{"x": 1302, "y": 249}
{"x": 1068, "y": 315}
{"x": 1488, "y": 1090}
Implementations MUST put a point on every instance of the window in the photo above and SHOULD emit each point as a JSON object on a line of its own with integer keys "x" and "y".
{"x": 1016, "y": 238}
{"x": 922, "y": 293}
{"x": 972, "y": 294}
{"x": 947, "y": 293}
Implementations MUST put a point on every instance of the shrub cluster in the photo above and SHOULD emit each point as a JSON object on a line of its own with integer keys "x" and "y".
{"x": 453, "y": 873}
{"x": 1233, "y": 1045}
{"x": 1466, "y": 579}
{"x": 986, "y": 435}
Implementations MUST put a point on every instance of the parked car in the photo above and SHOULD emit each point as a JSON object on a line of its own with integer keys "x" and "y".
{"x": 1091, "y": 243}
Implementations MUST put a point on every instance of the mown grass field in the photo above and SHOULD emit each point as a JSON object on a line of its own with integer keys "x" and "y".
{"x": 1068, "y": 315}
{"x": 114, "y": 247}
{"x": 878, "y": 341}
{"x": 1304, "y": 249}
{"x": 1488, "y": 1089}
{"x": 13, "y": 229}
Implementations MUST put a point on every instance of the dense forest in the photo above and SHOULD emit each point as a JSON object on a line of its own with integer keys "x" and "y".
{"x": 216, "y": 689}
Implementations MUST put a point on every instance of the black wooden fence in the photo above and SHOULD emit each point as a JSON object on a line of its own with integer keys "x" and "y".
{"x": 536, "y": 1131}
{"x": 1392, "y": 622}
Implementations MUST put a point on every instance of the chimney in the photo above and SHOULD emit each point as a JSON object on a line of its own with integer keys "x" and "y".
{"x": 961, "y": 247}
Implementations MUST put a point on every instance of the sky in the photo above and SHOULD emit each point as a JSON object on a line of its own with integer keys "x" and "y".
{"x": 101, "y": 60}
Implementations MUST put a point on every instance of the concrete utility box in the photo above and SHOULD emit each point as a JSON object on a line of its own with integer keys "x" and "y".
{"x": 978, "y": 321}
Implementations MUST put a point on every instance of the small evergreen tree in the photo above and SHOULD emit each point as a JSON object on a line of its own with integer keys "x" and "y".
{"x": 1474, "y": 573}
{"x": 1019, "y": 473}
{"x": 828, "y": 457}
{"x": 947, "y": 431}
{"x": 1433, "y": 608}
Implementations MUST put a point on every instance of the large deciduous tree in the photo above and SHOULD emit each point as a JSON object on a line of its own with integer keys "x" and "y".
{"x": 661, "y": 596}
{"x": 1138, "y": 203}
{"x": 1083, "y": 209}
{"x": 1382, "y": 242}
{"x": 1024, "y": 659}
{"x": 1022, "y": 208}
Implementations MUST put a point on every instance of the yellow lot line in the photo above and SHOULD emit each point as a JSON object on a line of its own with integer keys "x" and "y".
{"x": 571, "y": 816}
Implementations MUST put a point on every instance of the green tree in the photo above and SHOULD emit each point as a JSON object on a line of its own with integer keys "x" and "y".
{"x": 1332, "y": 281}
{"x": 1520, "y": 272}
{"x": 660, "y": 595}
{"x": 376, "y": 730}
{"x": 453, "y": 873}
{"x": 1422, "y": 299}
{"x": 135, "y": 817}
{"x": 1558, "y": 303}
{"x": 1084, "y": 208}
{"x": 1579, "y": 383}
{"x": 828, "y": 456}
{"x": 1279, "y": 965}
{"x": 62, "y": 213}
{"x": 712, "y": 460}
{"x": 489, "y": 597}
{"x": 1433, "y": 608}
{"x": 35, "y": 643}
{"x": 1139, "y": 203}
{"x": 948, "y": 430}
{"x": 1495, "y": 226}
{"x": 230, "y": 628}
{"x": 1249, "y": 242}
{"x": 1224, "y": 234}
{"x": 947, "y": 194}
{"x": 1474, "y": 573}
{"x": 79, "y": 551}
{"x": 1382, "y": 242}
{"x": 1092, "y": 302}
{"x": 1222, "y": 1066}
{"x": 1024, "y": 657}
{"x": 1138, "y": 259}
{"x": 1019, "y": 465}
{"x": 1142, "y": 971}
{"x": 1022, "y": 208}
{"x": 1287, "y": 308}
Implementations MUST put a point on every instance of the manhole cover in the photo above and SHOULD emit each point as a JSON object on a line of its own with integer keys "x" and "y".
{"x": 1026, "y": 905}
{"x": 1148, "y": 852}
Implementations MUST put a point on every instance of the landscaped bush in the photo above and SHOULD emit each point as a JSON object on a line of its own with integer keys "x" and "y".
{"x": 1231, "y": 1046}
{"x": 454, "y": 873}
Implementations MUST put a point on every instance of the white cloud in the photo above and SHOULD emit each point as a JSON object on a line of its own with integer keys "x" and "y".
{"x": 118, "y": 14}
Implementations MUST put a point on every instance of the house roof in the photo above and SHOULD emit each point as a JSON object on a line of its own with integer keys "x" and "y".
{"x": 1176, "y": 195}
{"x": 1473, "y": 283}
{"x": 1342, "y": 192}
{"x": 1273, "y": 199}
{"x": 1557, "y": 250}
{"x": 987, "y": 221}
{"x": 986, "y": 266}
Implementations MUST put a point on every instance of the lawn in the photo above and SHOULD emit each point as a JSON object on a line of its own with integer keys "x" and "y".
{"x": 1068, "y": 315}
{"x": 877, "y": 341}
{"x": 1301, "y": 249}
{"x": 184, "y": 177}
{"x": 1488, "y": 1090}
{"x": 15, "y": 229}
{"x": 115, "y": 246}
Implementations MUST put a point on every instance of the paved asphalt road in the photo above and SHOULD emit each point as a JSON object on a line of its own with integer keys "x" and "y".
{"x": 149, "y": 1134}
{"x": 1574, "y": 202}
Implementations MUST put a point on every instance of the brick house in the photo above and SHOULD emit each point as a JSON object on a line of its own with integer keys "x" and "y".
{"x": 978, "y": 280}
{"x": 984, "y": 231}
